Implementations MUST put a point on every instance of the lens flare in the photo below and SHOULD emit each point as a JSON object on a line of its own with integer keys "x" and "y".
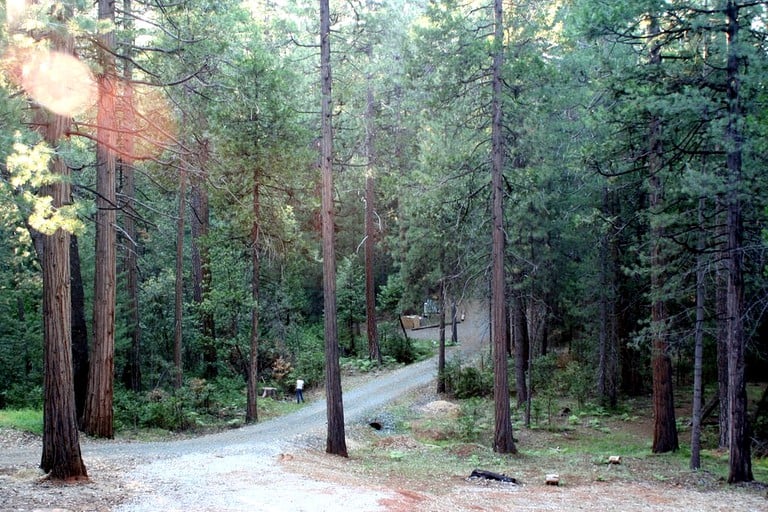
{"x": 58, "y": 81}
{"x": 14, "y": 10}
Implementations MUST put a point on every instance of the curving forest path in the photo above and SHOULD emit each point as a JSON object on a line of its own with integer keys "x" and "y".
{"x": 235, "y": 470}
{"x": 277, "y": 466}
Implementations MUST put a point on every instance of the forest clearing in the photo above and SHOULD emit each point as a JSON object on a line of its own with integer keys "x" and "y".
{"x": 420, "y": 459}
{"x": 396, "y": 472}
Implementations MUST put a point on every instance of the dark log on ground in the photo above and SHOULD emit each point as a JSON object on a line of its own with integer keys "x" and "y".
{"x": 490, "y": 475}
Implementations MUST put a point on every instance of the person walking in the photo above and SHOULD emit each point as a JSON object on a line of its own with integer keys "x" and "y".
{"x": 299, "y": 391}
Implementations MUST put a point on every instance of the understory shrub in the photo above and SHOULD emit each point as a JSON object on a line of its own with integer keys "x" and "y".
{"x": 198, "y": 404}
{"x": 393, "y": 344}
{"x": 472, "y": 421}
{"x": 20, "y": 396}
{"x": 307, "y": 347}
{"x": 468, "y": 381}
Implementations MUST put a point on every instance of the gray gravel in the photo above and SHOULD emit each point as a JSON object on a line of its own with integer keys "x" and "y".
{"x": 237, "y": 470}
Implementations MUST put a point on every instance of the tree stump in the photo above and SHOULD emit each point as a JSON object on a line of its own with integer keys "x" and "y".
{"x": 553, "y": 479}
{"x": 269, "y": 392}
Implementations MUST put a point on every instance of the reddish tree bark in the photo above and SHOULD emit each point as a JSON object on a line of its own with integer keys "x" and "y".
{"x": 61, "y": 456}
{"x": 98, "y": 419}
{"x": 335, "y": 441}
{"x": 664, "y": 427}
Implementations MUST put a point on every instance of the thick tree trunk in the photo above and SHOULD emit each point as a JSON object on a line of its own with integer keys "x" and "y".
{"x": 61, "y": 456}
{"x": 664, "y": 427}
{"x": 61, "y": 445}
{"x": 251, "y": 412}
{"x": 503, "y": 441}
{"x": 336, "y": 441}
{"x": 740, "y": 459}
{"x": 98, "y": 419}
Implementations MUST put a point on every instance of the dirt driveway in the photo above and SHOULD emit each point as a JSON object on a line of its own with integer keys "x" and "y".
{"x": 279, "y": 465}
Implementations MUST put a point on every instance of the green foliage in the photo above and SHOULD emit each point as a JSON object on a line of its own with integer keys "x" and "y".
{"x": 394, "y": 345}
{"x": 473, "y": 419}
{"x": 465, "y": 382}
{"x": 553, "y": 381}
{"x": 391, "y": 294}
{"x": 307, "y": 347}
{"x": 26, "y": 420}
{"x": 365, "y": 365}
{"x": 23, "y": 394}
{"x": 197, "y": 405}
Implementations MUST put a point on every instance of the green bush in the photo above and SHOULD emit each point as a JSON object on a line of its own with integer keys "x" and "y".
{"x": 472, "y": 420}
{"x": 198, "y": 404}
{"x": 23, "y": 395}
{"x": 164, "y": 411}
{"x": 468, "y": 382}
{"x": 391, "y": 294}
{"x": 307, "y": 347}
{"x": 393, "y": 344}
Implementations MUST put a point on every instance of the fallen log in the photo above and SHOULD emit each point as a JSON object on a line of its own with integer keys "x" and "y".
{"x": 490, "y": 475}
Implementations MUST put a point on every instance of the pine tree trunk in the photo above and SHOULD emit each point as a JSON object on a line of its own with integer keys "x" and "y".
{"x": 503, "y": 441}
{"x": 201, "y": 264}
{"x": 251, "y": 412}
{"x": 608, "y": 368}
{"x": 698, "y": 351}
{"x": 454, "y": 324}
{"x": 372, "y": 331}
{"x": 740, "y": 459}
{"x": 336, "y": 441}
{"x": 522, "y": 348}
{"x": 61, "y": 445}
{"x": 665, "y": 429}
{"x": 721, "y": 312}
{"x": 441, "y": 377}
{"x": 98, "y": 420}
{"x": 132, "y": 370}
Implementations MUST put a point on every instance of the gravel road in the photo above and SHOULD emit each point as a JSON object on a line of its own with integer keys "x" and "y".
{"x": 279, "y": 466}
{"x": 236, "y": 470}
